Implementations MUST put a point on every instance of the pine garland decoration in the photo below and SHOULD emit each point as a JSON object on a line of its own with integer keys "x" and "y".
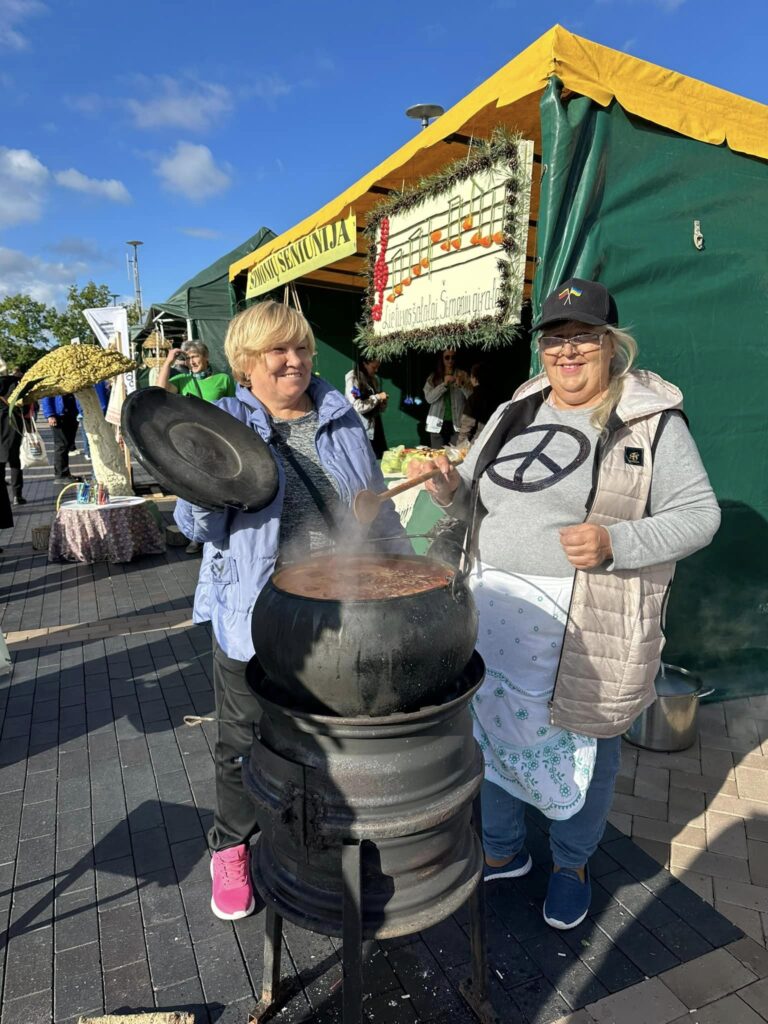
{"x": 486, "y": 331}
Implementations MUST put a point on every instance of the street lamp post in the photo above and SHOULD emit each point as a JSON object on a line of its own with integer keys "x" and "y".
{"x": 136, "y": 283}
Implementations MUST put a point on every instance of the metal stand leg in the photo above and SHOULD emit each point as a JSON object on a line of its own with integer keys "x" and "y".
{"x": 270, "y": 979}
{"x": 475, "y": 988}
{"x": 352, "y": 933}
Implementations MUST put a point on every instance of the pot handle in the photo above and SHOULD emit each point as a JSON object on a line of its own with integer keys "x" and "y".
{"x": 706, "y": 693}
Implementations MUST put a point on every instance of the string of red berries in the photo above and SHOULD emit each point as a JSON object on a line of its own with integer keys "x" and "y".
{"x": 380, "y": 270}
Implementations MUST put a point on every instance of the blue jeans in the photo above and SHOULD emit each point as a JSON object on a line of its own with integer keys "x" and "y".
{"x": 572, "y": 841}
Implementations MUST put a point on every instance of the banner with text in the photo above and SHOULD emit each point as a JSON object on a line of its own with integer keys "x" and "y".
{"x": 319, "y": 248}
{"x": 110, "y": 325}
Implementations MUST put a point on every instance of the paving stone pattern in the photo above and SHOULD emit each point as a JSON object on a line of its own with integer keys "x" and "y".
{"x": 105, "y": 798}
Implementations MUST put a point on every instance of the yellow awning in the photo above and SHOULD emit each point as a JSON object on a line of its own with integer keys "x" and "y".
{"x": 511, "y": 97}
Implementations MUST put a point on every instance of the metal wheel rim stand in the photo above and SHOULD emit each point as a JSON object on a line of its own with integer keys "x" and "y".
{"x": 474, "y": 989}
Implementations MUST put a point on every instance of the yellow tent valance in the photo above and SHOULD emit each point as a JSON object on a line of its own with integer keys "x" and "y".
{"x": 671, "y": 100}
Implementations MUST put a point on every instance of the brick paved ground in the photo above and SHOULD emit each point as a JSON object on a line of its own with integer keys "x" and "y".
{"x": 105, "y": 797}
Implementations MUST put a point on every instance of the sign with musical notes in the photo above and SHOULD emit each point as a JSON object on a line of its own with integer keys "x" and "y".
{"x": 454, "y": 257}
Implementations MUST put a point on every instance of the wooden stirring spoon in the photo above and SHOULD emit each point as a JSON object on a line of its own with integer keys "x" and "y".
{"x": 366, "y": 504}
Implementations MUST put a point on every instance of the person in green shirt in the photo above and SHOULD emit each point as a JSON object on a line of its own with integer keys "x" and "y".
{"x": 199, "y": 380}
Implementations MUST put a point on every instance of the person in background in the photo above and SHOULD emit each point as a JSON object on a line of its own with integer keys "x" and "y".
{"x": 362, "y": 389}
{"x": 199, "y": 380}
{"x": 446, "y": 390}
{"x": 7, "y": 436}
{"x": 10, "y": 452}
{"x": 61, "y": 412}
{"x": 571, "y": 607}
{"x": 323, "y": 459}
{"x": 480, "y": 406}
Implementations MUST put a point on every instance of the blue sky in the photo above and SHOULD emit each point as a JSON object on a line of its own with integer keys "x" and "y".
{"x": 189, "y": 125}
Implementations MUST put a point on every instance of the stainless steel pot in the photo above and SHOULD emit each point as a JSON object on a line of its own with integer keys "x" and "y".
{"x": 671, "y": 723}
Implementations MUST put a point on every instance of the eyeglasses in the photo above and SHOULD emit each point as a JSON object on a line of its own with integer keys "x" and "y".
{"x": 553, "y": 345}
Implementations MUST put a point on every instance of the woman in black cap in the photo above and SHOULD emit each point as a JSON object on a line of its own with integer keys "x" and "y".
{"x": 583, "y": 491}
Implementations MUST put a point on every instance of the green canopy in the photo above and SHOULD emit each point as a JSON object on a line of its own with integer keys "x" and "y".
{"x": 205, "y": 303}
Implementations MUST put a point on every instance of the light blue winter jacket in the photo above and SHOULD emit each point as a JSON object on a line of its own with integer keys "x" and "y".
{"x": 241, "y": 547}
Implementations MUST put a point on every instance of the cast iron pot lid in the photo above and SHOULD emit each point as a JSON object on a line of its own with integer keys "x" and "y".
{"x": 199, "y": 452}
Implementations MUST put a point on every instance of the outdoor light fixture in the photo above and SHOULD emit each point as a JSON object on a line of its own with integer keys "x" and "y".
{"x": 136, "y": 284}
{"x": 424, "y": 112}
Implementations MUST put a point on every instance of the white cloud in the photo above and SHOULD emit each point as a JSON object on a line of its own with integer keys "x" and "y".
{"x": 12, "y": 13}
{"x": 46, "y": 282}
{"x": 23, "y": 180}
{"x": 201, "y": 232}
{"x": 192, "y": 105}
{"x": 105, "y": 188}
{"x": 192, "y": 171}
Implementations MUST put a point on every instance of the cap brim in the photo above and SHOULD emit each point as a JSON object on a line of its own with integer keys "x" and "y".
{"x": 584, "y": 318}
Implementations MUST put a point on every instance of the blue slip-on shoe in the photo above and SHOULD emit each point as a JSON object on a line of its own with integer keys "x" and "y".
{"x": 568, "y": 898}
{"x": 520, "y": 865}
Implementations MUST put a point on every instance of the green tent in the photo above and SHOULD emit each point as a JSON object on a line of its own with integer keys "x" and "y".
{"x": 203, "y": 306}
{"x": 656, "y": 185}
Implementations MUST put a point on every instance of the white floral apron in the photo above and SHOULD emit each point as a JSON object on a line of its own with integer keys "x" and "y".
{"x": 522, "y": 622}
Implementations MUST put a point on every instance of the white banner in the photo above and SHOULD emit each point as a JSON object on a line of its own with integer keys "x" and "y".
{"x": 110, "y": 324}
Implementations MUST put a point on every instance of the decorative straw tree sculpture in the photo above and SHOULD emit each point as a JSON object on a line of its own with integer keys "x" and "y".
{"x": 74, "y": 370}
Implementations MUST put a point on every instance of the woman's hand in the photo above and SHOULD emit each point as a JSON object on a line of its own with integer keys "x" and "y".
{"x": 442, "y": 487}
{"x": 173, "y": 355}
{"x": 382, "y": 396}
{"x": 586, "y": 546}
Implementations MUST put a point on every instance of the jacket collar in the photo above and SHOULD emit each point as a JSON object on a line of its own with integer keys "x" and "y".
{"x": 329, "y": 402}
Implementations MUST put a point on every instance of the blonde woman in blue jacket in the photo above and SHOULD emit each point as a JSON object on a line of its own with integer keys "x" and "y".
{"x": 308, "y": 423}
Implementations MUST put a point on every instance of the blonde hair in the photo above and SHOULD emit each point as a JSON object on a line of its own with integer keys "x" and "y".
{"x": 622, "y": 361}
{"x": 261, "y": 327}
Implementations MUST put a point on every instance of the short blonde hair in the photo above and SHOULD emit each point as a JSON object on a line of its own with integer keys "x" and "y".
{"x": 261, "y": 327}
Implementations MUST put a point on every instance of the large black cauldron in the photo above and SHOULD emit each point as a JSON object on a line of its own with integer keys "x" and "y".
{"x": 400, "y": 786}
{"x": 364, "y": 635}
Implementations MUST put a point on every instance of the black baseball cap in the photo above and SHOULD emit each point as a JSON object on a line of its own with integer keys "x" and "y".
{"x": 586, "y": 302}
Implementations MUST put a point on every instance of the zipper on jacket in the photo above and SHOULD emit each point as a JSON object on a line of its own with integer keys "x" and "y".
{"x": 600, "y": 447}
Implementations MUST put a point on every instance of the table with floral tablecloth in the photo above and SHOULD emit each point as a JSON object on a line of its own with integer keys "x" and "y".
{"x": 119, "y": 531}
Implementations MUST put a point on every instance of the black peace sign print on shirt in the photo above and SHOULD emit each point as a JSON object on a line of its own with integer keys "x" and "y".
{"x": 559, "y": 453}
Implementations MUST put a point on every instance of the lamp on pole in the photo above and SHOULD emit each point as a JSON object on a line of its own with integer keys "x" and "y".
{"x": 425, "y": 112}
{"x": 136, "y": 283}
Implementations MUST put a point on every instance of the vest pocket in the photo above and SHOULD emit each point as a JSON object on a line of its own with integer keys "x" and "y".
{"x": 220, "y": 571}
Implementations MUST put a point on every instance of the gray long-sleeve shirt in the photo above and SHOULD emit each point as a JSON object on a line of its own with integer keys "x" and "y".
{"x": 540, "y": 483}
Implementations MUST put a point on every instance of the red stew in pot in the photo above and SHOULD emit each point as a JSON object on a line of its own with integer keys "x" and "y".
{"x": 362, "y": 578}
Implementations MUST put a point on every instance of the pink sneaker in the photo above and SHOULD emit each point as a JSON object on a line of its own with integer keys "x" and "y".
{"x": 232, "y": 895}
